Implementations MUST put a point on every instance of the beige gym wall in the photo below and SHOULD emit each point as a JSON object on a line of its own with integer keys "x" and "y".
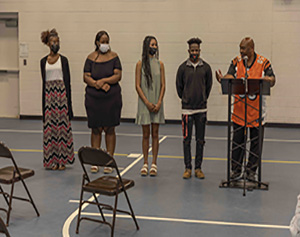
{"x": 221, "y": 24}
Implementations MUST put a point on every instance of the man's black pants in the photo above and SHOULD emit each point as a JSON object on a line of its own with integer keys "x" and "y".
{"x": 238, "y": 153}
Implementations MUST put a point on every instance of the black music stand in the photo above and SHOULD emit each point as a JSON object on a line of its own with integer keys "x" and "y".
{"x": 232, "y": 87}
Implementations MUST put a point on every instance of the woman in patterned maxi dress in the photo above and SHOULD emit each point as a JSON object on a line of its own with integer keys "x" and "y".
{"x": 57, "y": 106}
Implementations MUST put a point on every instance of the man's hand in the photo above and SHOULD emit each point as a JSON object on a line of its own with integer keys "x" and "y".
{"x": 219, "y": 75}
{"x": 270, "y": 79}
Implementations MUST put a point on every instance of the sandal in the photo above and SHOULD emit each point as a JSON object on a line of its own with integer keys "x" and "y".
{"x": 61, "y": 167}
{"x": 144, "y": 170}
{"x": 54, "y": 166}
{"x": 108, "y": 170}
{"x": 94, "y": 169}
{"x": 153, "y": 170}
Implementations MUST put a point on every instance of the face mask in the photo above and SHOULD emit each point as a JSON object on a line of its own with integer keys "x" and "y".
{"x": 194, "y": 56}
{"x": 152, "y": 51}
{"x": 54, "y": 48}
{"x": 104, "y": 48}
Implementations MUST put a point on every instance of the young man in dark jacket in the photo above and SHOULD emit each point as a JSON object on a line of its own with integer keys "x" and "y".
{"x": 193, "y": 84}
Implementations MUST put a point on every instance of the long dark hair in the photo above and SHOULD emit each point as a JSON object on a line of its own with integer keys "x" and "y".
{"x": 146, "y": 60}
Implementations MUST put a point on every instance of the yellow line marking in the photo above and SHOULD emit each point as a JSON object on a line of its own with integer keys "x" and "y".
{"x": 281, "y": 161}
{"x": 35, "y": 150}
{"x": 225, "y": 159}
{"x": 26, "y": 150}
{"x": 179, "y": 157}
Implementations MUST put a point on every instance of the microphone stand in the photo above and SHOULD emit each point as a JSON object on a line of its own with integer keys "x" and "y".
{"x": 245, "y": 128}
{"x": 234, "y": 182}
{"x": 246, "y": 74}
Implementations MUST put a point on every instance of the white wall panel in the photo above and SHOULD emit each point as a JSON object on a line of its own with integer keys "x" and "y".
{"x": 221, "y": 24}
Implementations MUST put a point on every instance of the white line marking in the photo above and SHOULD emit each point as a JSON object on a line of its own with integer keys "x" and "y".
{"x": 66, "y": 227}
{"x": 139, "y": 158}
{"x": 139, "y": 135}
{"x": 133, "y": 155}
{"x": 193, "y": 221}
{"x": 67, "y": 223}
{"x": 73, "y": 201}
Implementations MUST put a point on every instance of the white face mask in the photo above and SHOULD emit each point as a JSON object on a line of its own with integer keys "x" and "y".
{"x": 104, "y": 48}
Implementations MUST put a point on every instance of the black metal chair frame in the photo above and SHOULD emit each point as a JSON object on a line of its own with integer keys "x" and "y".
{"x": 98, "y": 157}
{"x": 16, "y": 175}
{"x": 3, "y": 228}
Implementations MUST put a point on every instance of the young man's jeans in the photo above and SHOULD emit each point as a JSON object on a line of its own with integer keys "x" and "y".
{"x": 187, "y": 126}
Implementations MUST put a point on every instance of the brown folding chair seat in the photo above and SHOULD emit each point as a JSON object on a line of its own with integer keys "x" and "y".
{"x": 105, "y": 185}
{"x": 11, "y": 175}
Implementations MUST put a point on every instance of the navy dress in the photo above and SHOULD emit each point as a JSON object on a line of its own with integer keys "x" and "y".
{"x": 103, "y": 108}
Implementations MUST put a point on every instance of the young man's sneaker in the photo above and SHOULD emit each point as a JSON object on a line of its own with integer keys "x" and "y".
{"x": 199, "y": 174}
{"x": 187, "y": 174}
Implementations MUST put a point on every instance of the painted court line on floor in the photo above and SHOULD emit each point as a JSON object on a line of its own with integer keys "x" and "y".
{"x": 178, "y": 157}
{"x": 40, "y": 151}
{"x": 193, "y": 221}
{"x": 66, "y": 227}
{"x": 140, "y": 135}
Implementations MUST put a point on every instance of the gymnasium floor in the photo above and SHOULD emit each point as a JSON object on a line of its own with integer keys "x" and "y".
{"x": 165, "y": 205}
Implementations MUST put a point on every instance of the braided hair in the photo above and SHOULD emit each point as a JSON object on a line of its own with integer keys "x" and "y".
{"x": 146, "y": 60}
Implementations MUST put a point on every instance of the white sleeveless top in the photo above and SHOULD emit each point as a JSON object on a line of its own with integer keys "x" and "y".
{"x": 54, "y": 71}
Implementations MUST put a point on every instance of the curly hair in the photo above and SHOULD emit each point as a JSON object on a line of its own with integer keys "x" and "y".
{"x": 45, "y": 35}
{"x": 194, "y": 41}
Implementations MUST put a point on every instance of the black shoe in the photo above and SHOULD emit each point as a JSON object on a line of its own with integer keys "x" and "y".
{"x": 235, "y": 174}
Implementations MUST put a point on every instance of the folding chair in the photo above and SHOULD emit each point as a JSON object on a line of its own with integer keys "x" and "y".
{"x": 105, "y": 185}
{"x": 11, "y": 175}
{"x": 3, "y": 228}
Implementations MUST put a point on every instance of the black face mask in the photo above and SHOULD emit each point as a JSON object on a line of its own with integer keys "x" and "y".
{"x": 54, "y": 48}
{"x": 152, "y": 51}
{"x": 194, "y": 56}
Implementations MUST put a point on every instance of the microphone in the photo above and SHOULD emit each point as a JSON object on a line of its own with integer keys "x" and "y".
{"x": 245, "y": 58}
